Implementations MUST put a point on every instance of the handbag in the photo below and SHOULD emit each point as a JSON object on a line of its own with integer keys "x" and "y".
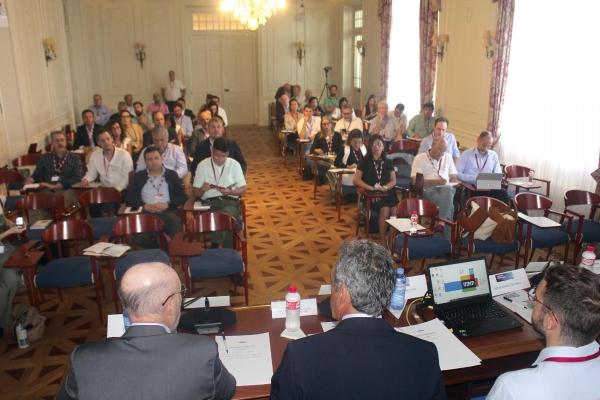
{"x": 507, "y": 223}
{"x": 32, "y": 320}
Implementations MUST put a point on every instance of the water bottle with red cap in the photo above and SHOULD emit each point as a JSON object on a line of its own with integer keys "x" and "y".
{"x": 588, "y": 258}
{"x": 292, "y": 310}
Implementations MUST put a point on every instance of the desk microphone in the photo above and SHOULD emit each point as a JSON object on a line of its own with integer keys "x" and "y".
{"x": 207, "y": 320}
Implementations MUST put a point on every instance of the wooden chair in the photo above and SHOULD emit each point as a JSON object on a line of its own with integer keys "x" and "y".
{"x": 42, "y": 201}
{"x": 583, "y": 230}
{"x": 416, "y": 188}
{"x": 517, "y": 171}
{"x": 13, "y": 180}
{"x": 101, "y": 195}
{"x": 405, "y": 146}
{"x": 364, "y": 211}
{"x": 26, "y": 160}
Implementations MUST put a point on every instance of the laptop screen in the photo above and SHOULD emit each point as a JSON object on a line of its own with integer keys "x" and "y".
{"x": 459, "y": 280}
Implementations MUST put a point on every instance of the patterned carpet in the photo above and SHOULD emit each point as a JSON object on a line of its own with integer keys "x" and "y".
{"x": 292, "y": 239}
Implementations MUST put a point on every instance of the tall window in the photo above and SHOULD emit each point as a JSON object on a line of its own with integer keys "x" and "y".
{"x": 549, "y": 115}
{"x": 358, "y": 60}
{"x": 403, "y": 81}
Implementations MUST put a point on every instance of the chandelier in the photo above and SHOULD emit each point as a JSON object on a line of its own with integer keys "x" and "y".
{"x": 252, "y": 12}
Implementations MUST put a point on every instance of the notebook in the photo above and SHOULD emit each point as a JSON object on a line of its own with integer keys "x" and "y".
{"x": 489, "y": 181}
{"x": 462, "y": 298}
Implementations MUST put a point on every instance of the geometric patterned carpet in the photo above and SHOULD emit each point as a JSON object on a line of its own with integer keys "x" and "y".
{"x": 292, "y": 239}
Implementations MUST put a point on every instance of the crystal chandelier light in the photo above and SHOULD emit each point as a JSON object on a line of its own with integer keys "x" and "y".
{"x": 252, "y": 12}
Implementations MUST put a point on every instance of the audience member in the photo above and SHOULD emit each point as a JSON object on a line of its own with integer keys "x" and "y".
{"x": 150, "y": 361}
{"x": 101, "y": 112}
{"x": 282, "y": 108}
{"x": 172, "y": 90}
{"x": 219, "y": 181}
{"x": 214, "y": 109}
{"x": 400, "y": 117}
{"x": 120, "y": 140}
{"x": 158, "y": 119}
{"x": 171, "y": 125}
{"x": 172, "y": 155}
{"x": 369, "y": 111}
{"x": 307, "y": 96}
{"x": 337, "y": 113}
{"x": 566, "y": 313}
{"x": 186, "y": 111}
{"x": 439, "y": 129}
{"x": 363, "y": 357}
{"x": 84, "y": 137}
{"x": 111, "y": 165}
{"x": 220, "y": 110}
{"x": 438, "y": 170}
{"x": 286, "y": 88}
{"x": 421, "y": 125}
{"x": 317, "y": 111}
{"x": 204, "y": 149}
{"x": 205, "y": 105}
{"x": 142, "y": 119}
{"x": 159, "y": 190}
{"x": 290, "y": 122}
{"x": 348, "y": 156}
{"x": 307, "y": 128}
{"x": 297, "y": 94}
{"x": 349, "y": 122}
{"x": 385, "y": 125}
{"x": 328, "y": 142}
{"x": 331, "y": 102}
{"x": 122, "y": 106}
{"x": 134, "y": 133}
{"x": 200, "y": 133}
{"x": 158, "y": 105}
{"x": 129, "y": 102}
{"x": 376, "y": 172}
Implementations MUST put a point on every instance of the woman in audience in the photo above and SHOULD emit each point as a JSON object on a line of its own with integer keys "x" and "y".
{"x": 327, "y": 142}
{"x": 376, "y": 173}
{"x": 369, "y": 111}
{"x": 170, "y": 123}
{"x": 119, "y": 139}
{"x": 337, "y": 113}
{"x": 290, "y": 121}
{"x": 214, "y": 109}
{"x": 347, "y": 157}
{"x": 317, "y": 110}
{"x": 134, "y": 133}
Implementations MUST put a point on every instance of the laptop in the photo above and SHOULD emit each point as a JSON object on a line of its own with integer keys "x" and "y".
{"x": 490, "y": 180}
{"x": 462, "y": 298}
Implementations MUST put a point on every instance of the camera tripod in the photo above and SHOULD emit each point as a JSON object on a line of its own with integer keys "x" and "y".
{"x": 326, "y": 86}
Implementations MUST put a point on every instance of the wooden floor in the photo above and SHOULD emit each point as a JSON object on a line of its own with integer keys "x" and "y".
{"x": 293, "y": 239}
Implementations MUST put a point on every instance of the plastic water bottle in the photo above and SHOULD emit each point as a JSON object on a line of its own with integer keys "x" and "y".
{"x": 399, "y": 295}
{"x": 22, "y": 337}
{"x": 531, "y": 177}
{"x": 126, "y": 320}
{"x": 414, "y": 219}
{"x": 292, "y": 310}
{"x": 588, "y": 258}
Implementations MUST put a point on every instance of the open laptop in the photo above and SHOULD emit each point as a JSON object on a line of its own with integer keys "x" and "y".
{"x": 489, "y": 180}
{"x": 463, "y": 299}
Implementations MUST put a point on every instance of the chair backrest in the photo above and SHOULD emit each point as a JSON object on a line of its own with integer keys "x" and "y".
{"x": 417, "y": 186}
{"x": 484, "y": 202}
{"x": 423, "y": 208}
{"x": 532, "y": 201}
{"x": 10, "y": 176}
{"x": 138, "y": 223}
{"x": 100, "y": 195}
{"x": 516, "y": 171}
{"x": 43, "y": 201}
{"x": 72, "y": 229}
{"x": 212, "y": 222}
{"x": 32, "y": 148}
{"x": 405, "y": 145}
{"x": 131, "y": 175}
{"x": 580, "y": 197}
{"x": 26, "y": 160}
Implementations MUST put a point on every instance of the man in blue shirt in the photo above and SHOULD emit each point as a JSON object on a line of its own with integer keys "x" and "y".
{"x": 440, "y": 126}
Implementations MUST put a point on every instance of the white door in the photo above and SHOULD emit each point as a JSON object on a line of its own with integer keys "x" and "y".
{"x": 223, "y": 65}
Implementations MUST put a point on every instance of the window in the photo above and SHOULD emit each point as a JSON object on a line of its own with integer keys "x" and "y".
{"x": 358, "y": 19}
{"x": 216, "y": 22}
{"x": 358, "y": 59}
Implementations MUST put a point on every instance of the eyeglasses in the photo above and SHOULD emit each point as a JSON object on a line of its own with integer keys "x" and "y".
{"x": 533, "y": 297}
{"x": 183, "y": 291}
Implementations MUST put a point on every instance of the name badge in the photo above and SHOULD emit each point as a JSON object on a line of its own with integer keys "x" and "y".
{"x": 54, "y": 179}
{"x": 1, "y": 249}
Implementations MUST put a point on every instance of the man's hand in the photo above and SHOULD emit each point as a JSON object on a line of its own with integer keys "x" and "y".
{"x": 160, "y": 207}
{"x": 51, "y": 186}
{"x": 85, "y": 182}
{"x": 454, "y": 179}
{"x": 442, "y": 181}
{"x": 351, "y": 166}
{"x": 205, "y": 187}
{"x": 417, "y": 136}
{"x": 150, "y": 208}
{"x": 318, "y": 151}
{"x": 29, "y": 181}
{"x": 86, "y": 150}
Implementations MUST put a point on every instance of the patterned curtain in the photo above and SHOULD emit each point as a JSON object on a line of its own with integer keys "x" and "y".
{"x": 506, "y": 11}
{"x": 384, "y": 11}
{"x": 428, "y": 22}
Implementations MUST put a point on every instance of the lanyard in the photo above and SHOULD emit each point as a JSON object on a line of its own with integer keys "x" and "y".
{"x": 329, "y": 144}
{"x": 379, "y": 170}
{"x": 574, "y": 359}
{"x": 427, "y": 127}
{"x": 107, "y": 164}
{"x": 215, "y": 172}
{"x": 57, "y": 169}
{"x": 477, "y": 160}
{"x": 90, "y": 133}
{"x": 439, "y": 163}
{"x": 384, "y": 122}
{"x": 162, "y": 179}
{"x": 357, "y": 154}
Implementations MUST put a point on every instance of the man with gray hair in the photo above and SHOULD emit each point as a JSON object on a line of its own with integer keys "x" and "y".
{"x": 348, "y": 123}
{"x": 172, "y": 155}
{"x": 148, "y": 361}
{"x": 363, "y": 357}
{"x": 121, "y": 106}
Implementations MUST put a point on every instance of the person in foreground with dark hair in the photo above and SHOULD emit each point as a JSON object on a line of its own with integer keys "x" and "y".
{"x": 566, "y": 313}
{"x": 363, "y": 357}
{"x": 148, "y": 361}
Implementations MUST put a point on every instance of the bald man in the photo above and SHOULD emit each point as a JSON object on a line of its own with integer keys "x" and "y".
{"x": 148, "y": 361}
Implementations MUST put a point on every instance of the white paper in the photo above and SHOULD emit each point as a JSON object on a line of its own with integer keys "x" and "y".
{"x": 327, "y": 326}
{"x": 596, "y": 269}
{"x": 248, "y": 358}
{"x": 199, "y": 207}
{"x": 452, "y": 352}
{"x": 31, "y": 186}
{"x": 542, "y": 222}
{"x": 509, "y": 281}
{"x": 299, "y": 334}
{"x": 41, "y": 224}
{"x": 416, "y": 286}
{"x": 307, "y": 307}
{"x": 115, "y": 326}
{"x": 536, "y": 266}
{"x": 214, "y": 301}
{"x": 324, "y": 290}
{"x": 520, "y": 303}
{"x": 128, "y": 210}
{"x": 402, "y": 224}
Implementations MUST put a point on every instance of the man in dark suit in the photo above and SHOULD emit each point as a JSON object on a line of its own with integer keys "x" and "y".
{"x": 85, "y": 135}
{"x": 148, "y": 362}
{"x": 204, "y": 149}
{"x": 363, "y": 357}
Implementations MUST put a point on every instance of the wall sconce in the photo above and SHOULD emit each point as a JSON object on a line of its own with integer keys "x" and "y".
{"x": 300, "y": 50}
{"x": 49, "y": 50}
{"x": 360, "y": 46}
{"x": 439, "y": 46}
{"x": 140, "y": 53}
{"x": 487, "y": 43}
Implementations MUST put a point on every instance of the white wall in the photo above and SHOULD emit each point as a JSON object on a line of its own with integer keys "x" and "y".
{"x": 372, "y": 61}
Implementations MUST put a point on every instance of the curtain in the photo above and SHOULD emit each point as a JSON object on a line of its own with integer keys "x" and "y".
{"x": 504, "y": 28}
{"x": 428, "y": 22}
{"x": 384, "y": 12}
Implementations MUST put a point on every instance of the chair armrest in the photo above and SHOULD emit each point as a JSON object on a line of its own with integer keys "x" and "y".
{"x": 29, "y": 245}
{"x": 105, "y": 239}
{"x": 580, "y": 216}
{"x": 451, "y": 223}
{"x": 549, "y": 211}
{"x": 542, "y": 180}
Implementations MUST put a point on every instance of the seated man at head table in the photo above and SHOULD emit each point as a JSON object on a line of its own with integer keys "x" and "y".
{"x": 439, "y": 129}
{"x": 172, "y": 155}
{"x": 363, "y": 357}
{"x": 84, "y": 136}
{"x": 159, "y": 191}
{"x": 349, "y": 122}
{"x": 150, "y": 360}
{"x": 481, "y": 159}
{"x": 421, "y": 125}
{"x": 385, "y": 125}
{"x": 566, "y": 312}
{"x": 438, "y": 171}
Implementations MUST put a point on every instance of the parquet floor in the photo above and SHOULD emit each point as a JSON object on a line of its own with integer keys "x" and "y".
{"x": 293, "y": 239}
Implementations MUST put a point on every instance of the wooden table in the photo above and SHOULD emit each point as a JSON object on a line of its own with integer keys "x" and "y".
{"x": 26, "y": 260}
{"x": 523, "y": 183}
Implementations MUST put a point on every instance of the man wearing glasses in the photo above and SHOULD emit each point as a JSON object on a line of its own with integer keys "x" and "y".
{"x": 566, "y": 312}
{"x": 349, "y": 122}
{"x": 147, "y": 362}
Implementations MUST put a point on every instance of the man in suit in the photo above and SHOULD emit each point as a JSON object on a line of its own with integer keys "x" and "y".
{"x": 204, "y": 149}
{"x": 84, "y": 137}
{"x": 363, "y": 357}
{"x": 148, "y": 362}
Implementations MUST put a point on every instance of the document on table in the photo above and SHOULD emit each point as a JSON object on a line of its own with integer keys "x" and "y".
{"x": 324, "y": 290}
{"x": 115, "y": 326}
{"x": 517, "y": 302}
{"x": 247, "y": 358}
{"x": 453, "y": 354}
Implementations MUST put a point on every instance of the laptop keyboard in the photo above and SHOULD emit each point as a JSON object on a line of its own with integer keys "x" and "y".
{"x": 479, "y": 312}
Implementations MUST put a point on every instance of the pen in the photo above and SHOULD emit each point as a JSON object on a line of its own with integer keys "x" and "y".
{"x": 510, "y": 300}
{"x": 225, "y": 342}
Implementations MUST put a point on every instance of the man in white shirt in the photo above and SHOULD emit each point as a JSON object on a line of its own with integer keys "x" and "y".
{"x": 438, "y": 171}
{"x": 401, "y": 119}
{"x": 182, "y": 120}
{"x": 172, "y": 155}
{"x": 349, "y": 122}
{"x": 172, "y": 90}
{"x": 297, "y": 94}
{"x": 111, "y": 165}
{"x": 308, "y": 127}
{"x": 221, "y": 111}
{"x": 220, "y": 182}
{"x": 439, "y": 129}
{"x": 566, "y": 312}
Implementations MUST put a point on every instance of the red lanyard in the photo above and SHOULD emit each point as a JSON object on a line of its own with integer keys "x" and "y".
{"x": 57, "y": 170}
{"x": 439, "y": 163}
{"x": 329, "y": 144}
{"x": 379, "y": 171}
{"x": 215, "y": 172}
{"x": 358, "y": 155}
{"x": 574, "y": 359}
{"x": 90, "y": 133}
{"x": 107, "y": 165}
{"x": 477, "y": 160}
{"x": 162, "y": 179}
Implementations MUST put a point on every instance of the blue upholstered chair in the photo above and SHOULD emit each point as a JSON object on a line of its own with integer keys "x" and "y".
{"x": 53, "y": 203}
{"x": 466, "y": 232}
{"x": 583, "y": 230}
{"x": 415, "y": 247}
{"x": 70, "y": 270}
{"x": 107, "y": 196}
